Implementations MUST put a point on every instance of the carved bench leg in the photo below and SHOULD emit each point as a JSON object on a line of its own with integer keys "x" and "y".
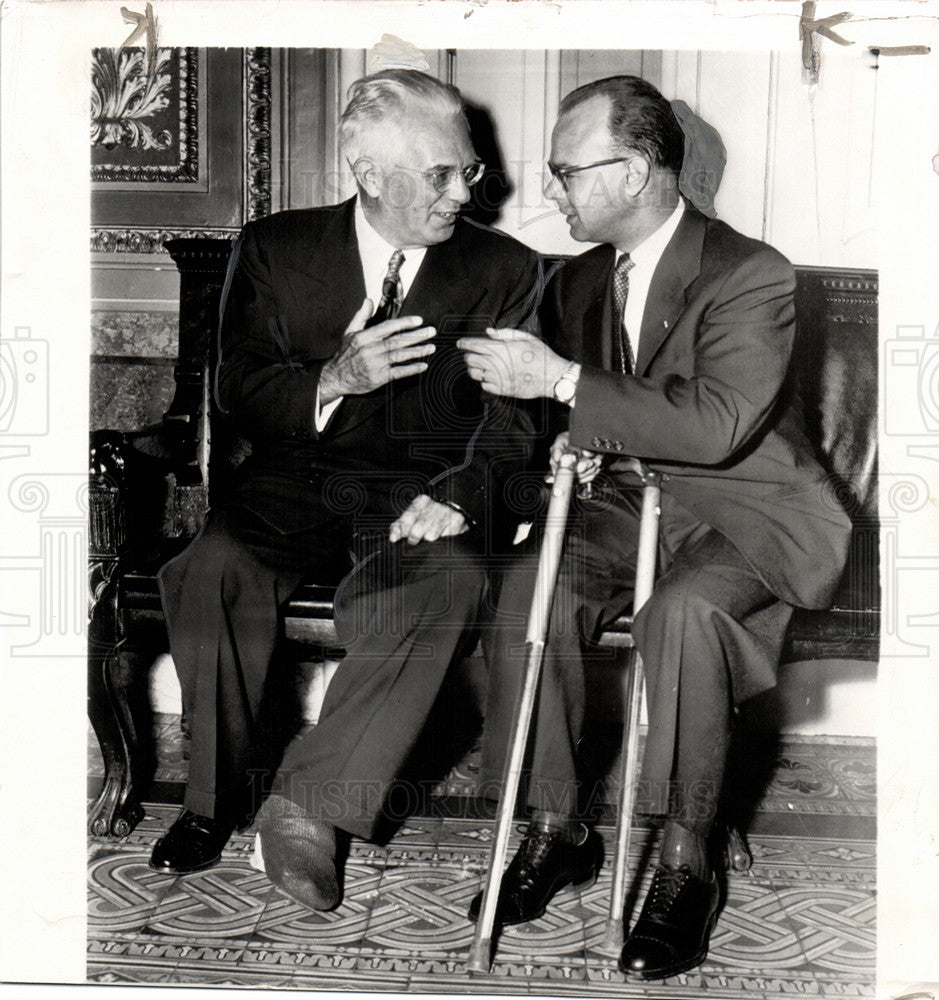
{"x": 117, "y": 809}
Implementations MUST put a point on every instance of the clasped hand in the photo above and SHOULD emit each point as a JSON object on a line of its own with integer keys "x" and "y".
{"x": 512, "y": 363}
{"x": 588, "y": 462}
{"x": 426, "y": 520}
{"x": 369, "y": 359}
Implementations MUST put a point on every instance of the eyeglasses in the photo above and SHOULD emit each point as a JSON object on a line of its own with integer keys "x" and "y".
{"x": 562, "y": 174}
{"x": 440, "y": 178}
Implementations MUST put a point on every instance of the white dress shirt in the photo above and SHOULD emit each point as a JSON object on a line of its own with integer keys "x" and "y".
{"x": 645, "y": 260}
{"x": 374, "y": 254}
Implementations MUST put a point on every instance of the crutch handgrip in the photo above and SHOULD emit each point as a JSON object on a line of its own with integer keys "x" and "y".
{"x": 549, "y": 560}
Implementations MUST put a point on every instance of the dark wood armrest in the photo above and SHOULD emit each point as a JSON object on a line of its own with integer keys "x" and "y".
{"x": 138, "y": 504}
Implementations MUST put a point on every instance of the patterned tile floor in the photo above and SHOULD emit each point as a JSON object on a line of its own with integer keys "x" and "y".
{"x": 799, "y": 923}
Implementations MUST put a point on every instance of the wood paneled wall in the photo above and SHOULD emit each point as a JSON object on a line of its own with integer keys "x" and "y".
{"x": 799, "y": 161}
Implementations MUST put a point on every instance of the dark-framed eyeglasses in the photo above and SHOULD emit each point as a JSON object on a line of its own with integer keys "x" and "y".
{"x": 563, "y": 174}
{"x": 440, "y": 178}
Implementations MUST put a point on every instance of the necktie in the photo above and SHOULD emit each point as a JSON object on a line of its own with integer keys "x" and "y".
{"x": 390, "y": 301}
{"x": 623, "y": 360}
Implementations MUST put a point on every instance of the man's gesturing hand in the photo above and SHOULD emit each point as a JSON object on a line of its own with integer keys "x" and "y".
{"x": 512, "y": 363}
{"x": 370, "y": 358}
{"x": 426, "y": 520}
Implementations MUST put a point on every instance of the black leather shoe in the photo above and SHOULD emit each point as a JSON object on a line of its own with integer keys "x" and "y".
{"x": 300, "y": 854}
{"x": 671, "y": 934}
{"x": 544, "y": 863}
{"x": 191, "y": 844}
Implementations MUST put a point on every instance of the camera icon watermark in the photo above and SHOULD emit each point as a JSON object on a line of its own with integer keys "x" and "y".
{"x": 24, "y": 384}
{"x": 911, "y": 382}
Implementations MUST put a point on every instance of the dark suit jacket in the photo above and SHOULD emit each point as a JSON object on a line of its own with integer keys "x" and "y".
{"x": 294, "y": 283}
{"x": 710, "y": 406}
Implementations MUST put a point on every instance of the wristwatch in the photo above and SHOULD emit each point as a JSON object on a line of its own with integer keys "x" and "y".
{"x": 566, "y": 385}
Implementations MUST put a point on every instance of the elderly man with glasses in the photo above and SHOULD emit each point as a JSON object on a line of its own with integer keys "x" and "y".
{"x": 376, "y": 463}
{"x": 669, "y": 342}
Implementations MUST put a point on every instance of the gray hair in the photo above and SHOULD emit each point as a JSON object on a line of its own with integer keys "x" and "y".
{"x": 386, "y": 97}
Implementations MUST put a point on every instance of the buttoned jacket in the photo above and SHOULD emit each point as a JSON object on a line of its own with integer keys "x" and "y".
{"x": 294, "y": 282}
{"x": 710, "y": 405}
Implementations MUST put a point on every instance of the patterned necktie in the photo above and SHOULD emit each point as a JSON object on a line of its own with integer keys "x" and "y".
{"x": 623, "y": 360}
{"x": 390, "y": 301}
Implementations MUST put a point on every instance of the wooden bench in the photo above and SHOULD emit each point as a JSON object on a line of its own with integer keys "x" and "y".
{"x": 150, "y": 489}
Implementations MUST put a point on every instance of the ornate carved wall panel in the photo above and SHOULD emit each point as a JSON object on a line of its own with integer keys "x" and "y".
{"x": 145, "y": 121}
{"x": 257, "y": 112}
{"x": 224, "y": 100}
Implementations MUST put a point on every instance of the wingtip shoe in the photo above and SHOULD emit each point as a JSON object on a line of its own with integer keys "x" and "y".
{"x": 300, "y": 854}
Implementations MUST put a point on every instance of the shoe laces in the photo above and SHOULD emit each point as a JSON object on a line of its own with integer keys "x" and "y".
{"x": 534, "y": 850}
{"x": 194, "y": 821}
{"x": 667, "y": 886}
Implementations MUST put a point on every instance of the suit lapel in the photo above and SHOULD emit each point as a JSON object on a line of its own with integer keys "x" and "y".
{"x": 441, "y": 285}
{"x": 678, "y": 267}
{"x": 590, "y": 307}
{"x": 441, "y": 289}
{"x": 334, "y": 265}
{"x": 605, "y": 322}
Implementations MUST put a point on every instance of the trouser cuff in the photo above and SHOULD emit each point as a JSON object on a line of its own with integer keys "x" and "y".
{"x": 206, "y": 804}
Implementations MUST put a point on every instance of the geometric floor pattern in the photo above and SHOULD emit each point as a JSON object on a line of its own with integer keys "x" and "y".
{"x": 799, "y": 923}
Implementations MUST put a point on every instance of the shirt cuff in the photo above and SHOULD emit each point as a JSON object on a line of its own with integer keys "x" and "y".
{"x": 323, "y": 414}
{"x": 470, "y": 523}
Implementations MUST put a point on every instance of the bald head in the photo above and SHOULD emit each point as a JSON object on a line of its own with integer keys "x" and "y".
{"x": 639, "y": 119}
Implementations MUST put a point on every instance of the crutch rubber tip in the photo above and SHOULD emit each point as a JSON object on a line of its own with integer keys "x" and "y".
{"x": 479, "y": 960}
{"x": 612, "y": 943}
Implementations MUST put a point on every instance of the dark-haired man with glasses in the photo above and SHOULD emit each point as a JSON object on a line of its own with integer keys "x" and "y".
{"x": 377, "y": 463}
{"x": 670, "y": 341}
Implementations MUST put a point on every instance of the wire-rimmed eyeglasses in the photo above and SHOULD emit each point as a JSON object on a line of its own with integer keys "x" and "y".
{"x": 440, "y": 178}
{"x": 562, "y": 174}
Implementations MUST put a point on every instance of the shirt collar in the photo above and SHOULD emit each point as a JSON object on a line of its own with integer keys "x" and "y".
{"x": 375, "y": 251}
{"x": 650, "y": 250}
{"x": 371, "y": 243}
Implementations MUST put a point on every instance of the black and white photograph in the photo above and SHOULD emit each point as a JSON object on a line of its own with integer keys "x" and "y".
{"x": 470, "y": 478}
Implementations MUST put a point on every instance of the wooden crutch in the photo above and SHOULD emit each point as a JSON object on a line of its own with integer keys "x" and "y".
{"x": 629, "y": 754}
{"x": 548, "y": 563}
